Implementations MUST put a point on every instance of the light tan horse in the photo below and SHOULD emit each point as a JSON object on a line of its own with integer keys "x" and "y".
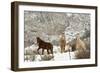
{"x": 80, "y": 44}
{"x": 62, "y": 42}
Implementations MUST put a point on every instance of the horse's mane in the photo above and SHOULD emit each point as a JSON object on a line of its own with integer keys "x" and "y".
{"x": 39, "y": 40}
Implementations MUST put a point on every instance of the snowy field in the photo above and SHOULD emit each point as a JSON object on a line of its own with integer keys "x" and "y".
{"x": 32, "y": 55}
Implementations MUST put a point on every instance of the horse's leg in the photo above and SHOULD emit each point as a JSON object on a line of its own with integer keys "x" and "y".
{"x": 51, "y": 51}
{"x": 48, "y": 51}
{"x": 61, "y": 46}
{"x": 42, "y": 51}
{"x": 62, "y": 49}
{"x": 38, "y": 50}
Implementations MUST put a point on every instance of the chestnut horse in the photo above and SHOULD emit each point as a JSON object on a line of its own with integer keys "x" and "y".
{"x": 44, "y": 45}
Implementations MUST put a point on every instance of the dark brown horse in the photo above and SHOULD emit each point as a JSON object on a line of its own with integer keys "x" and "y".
{"x": 44, "y": 45}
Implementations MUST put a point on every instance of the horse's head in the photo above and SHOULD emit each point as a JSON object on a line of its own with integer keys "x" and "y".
{"x": 38, "y": 40}
{"x": 77, "y": 36}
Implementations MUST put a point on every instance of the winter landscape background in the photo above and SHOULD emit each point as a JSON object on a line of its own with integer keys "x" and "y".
{"x": 48, "y": 26}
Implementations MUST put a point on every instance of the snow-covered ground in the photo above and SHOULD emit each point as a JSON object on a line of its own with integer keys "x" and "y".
{"x": 31, "y": 55}
{"x": 64, "y": 56}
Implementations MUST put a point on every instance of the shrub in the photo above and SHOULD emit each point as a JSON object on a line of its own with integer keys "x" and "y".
{"x": 46, "y": 57}
{"x": 82, "y": 54}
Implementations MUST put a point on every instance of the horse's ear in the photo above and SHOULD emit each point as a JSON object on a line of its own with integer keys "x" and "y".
{"x": 36, "y": 37}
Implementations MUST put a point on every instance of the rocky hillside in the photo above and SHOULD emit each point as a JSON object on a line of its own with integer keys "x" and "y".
{"x": 49, "y": 25}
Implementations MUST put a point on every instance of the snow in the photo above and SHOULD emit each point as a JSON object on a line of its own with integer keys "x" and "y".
{"x": 57, "y": 56}
{"x": 64, "y": 56}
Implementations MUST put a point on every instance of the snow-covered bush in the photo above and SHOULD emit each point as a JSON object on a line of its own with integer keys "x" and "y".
{"x": 46, "y": 57}
{"x": 82, "y": 54}
{"x": 29, "y": 57}
{"x": 30, "y": 53}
